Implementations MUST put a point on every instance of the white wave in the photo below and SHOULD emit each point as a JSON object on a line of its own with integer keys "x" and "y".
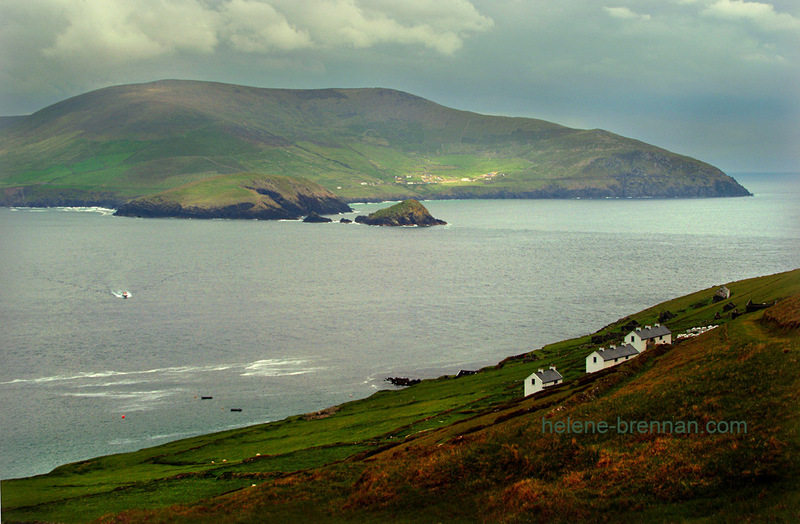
{"x": 130, "y": 401}
{"x": 137, "y": 395}
{"x": 115, "y": 383}
{"x": 124, "y": 441}
{"x": 110, "y": 373}
{"x": 277, "y": 368}
{"x": 91, "y": 209}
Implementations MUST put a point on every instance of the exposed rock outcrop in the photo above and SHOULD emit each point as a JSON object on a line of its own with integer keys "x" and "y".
{"x": 315, "y": 218}
{"x": 406, "y": 213}
{"x": 402, "y": 381}
{"x": 255, "y": 196}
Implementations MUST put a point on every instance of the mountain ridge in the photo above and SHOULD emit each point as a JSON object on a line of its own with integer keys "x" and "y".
{"x": 363, "y": 144}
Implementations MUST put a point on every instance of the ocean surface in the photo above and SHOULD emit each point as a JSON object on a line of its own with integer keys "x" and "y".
{"x": 281, "y": 318}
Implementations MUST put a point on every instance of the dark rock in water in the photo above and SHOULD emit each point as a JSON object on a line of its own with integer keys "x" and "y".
{"x": 314, "y": 218}
{"x": 346, "y": 221}
{"x": 406, "y": 213}
{"x": 402, "y": 381}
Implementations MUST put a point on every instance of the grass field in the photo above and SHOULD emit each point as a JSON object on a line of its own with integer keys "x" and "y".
{"x": 457, "y": 448}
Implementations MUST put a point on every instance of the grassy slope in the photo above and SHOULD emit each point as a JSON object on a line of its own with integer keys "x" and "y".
{"x": 364, "y": 144}
{"x": 457, "y": 448}
{"x": 235, "y": 188}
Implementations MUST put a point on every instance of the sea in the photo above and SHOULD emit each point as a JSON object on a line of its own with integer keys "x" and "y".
{"x": 277, "y": 318}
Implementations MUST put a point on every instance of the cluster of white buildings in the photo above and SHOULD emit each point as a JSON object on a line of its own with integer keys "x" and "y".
{"x": 635, "y": 343}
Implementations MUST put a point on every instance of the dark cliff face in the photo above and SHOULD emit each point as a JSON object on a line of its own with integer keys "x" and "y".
{"x": 406, "y": 213}
{"x": 43, "y": 196}
{"x": 245, "y": 210}
{"x": 258, "y": 197}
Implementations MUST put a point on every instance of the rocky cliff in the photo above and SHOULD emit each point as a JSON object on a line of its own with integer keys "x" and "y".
{"x": 243, "y": 195}
{"x": 406, "y": 213}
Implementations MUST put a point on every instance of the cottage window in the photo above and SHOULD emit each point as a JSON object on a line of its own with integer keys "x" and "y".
{"x": 594, "y": 360}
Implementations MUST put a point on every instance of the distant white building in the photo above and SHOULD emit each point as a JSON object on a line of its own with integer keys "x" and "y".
{"x": 606, "y": 358}
{"x": 648, "y": 336}
{"x": 543, "y": 378}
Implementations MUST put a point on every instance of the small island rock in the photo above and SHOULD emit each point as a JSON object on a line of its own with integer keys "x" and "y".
{"x": 315, "y": 218}
{"x": 406, "y": 213}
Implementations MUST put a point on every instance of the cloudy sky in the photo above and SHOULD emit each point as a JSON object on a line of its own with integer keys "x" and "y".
{"x": 715, "y": 79}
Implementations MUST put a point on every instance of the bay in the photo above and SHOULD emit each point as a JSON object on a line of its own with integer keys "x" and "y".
{"x": 281, "y": 318}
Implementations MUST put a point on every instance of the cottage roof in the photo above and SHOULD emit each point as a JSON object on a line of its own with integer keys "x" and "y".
{"x": 652, "y": 332}
{"x": 548, "y": 375}
{"x": 617, "y": 352}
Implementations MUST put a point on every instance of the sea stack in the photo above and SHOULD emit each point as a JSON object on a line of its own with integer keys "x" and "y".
{"x": 406, "y": 213}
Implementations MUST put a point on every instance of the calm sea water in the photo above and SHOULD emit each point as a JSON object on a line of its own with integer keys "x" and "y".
{"x": 280, "y": 318}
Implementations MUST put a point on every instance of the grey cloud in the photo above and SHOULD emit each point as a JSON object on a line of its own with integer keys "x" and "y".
{"x": 641, "y": 68}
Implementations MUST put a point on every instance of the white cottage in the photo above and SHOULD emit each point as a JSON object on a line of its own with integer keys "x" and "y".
{"x": 543, "y": 378}
{"x": 648, "y": 336}
{"x": 606, "y": 358}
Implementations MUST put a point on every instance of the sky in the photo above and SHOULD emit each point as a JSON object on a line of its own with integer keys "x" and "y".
{"x": 717, "y": 80}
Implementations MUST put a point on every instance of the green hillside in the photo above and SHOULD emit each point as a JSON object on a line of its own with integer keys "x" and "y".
{"x": 472, "y": 449}
{"x": 119, "y": 143}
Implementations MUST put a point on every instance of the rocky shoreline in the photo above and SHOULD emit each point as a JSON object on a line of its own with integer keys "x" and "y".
{"x": 242, "y": 210}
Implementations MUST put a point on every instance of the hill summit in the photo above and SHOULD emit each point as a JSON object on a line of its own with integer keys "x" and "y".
{"x": 130, "y": 141}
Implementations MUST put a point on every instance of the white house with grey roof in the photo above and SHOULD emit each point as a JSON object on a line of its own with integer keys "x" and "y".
{"x": 648, "y": 336}
{"x": 543, "y": 378}
{"x": 606, "y": 358}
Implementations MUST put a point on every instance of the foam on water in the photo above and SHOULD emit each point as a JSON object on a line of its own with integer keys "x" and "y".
{"x": 87, "y": 375}
{"x": 278, "y": 368}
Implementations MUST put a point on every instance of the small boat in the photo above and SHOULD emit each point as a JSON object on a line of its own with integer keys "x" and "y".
{"x": 236, "y": 409}
{"x": 206, "y": 398}
{"x": 125, "y": 294}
